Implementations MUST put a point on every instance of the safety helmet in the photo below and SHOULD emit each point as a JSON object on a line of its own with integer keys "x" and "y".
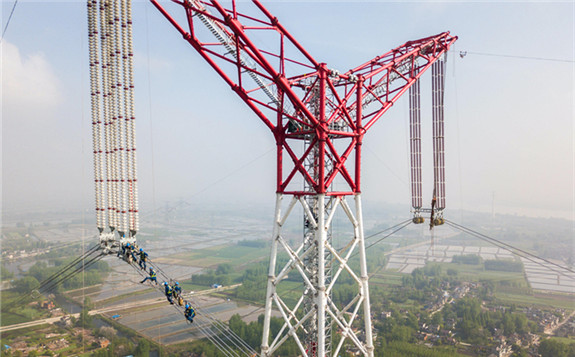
{"x": 151, "y": 269}
{"x": 141, "y": 250}
{"x": 177, "y": 283}
{"x": 165, "y": 283}
{"x": 127, "y": 245}
{"x": 187, "y": 306}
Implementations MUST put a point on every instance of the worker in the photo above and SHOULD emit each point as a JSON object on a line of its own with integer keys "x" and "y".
{"x": 143, "y": 259}
{"x": 432, "y": 218}
{"x": 132, "y": 253}
{"x": 124, "y": 247}
{"x": 152, "y": 277}
{"x": 178, "y": 294}
{"x": 177, "y": 289}
{"x": 189, "y": 312}
{"x": 169, "y": 292}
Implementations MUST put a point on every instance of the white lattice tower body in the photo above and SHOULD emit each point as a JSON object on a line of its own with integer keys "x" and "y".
{"x": 317, "y": 285}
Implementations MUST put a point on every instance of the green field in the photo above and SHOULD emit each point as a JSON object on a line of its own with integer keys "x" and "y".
{"x": 33, "y": 332}
{"x": 15, "y": 312}
{"x": 563, "y": 340}
{"x": 386, "y": 278}
{"x": 233, "y": 254}
{"x": 539, "y": 299}
{"x": 510, "y": 288}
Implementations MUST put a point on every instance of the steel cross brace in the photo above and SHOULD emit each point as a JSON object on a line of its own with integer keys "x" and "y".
{"x": 282, "y": 85}
{"x": 296, "y": 263}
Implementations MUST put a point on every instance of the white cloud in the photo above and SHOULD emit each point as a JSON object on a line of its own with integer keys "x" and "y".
{"x": 33, "y": 151}
{"x": 28, "y": 82}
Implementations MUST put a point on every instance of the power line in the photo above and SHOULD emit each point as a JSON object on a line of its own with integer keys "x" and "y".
{"x": 225, "y": 339}
{"x": 62, "y": 275}
{"x": 517, "y": 251}
{"x": 407, "y": 223}
{"x": 387, "y": 229}
{"x": 62, "y": 278}
{"x": 205, "y": 321}
{"x": 464, "y": 53}
{"x": 205, "y": 327}
{"x": 402, "y": 224}
{"x": 64, "y": 270}
{"x": 9, "y": 18}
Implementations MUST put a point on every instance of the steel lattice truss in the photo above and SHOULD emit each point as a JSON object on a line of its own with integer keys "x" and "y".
{"x": 296, "y": 319}
{"x": 302, "y": 100}
{"x": 297, "y": 97}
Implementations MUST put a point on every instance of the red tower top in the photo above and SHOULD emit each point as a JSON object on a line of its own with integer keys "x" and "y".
{"x": 299, "y": 98}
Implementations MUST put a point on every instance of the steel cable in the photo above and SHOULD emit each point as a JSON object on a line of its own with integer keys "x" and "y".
{"x": 211, "y": 320}
{"x": 235, "y": 339}
{"x": 404, "y": 224}
{"x": 68, "y": 267}
{"x": 85, "y": 265}
{"x": 387, "y": 229}
{"x": 517, "y": 251}
{"x": 48, "y": 280}
{"x": 9, "y": 18}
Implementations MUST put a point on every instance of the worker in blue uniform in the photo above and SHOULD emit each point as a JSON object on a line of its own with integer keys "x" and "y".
{"x": 124, "y": 247}
{"x": 169, "y": 292}
{"x": 133, "y": 253}
{"x": 143, "y": 259}
{"x": 178, "y": 294}
{"x": 152, "y": 277}
{"x": 177, "y": 289}
{"x": 189, "y": 312}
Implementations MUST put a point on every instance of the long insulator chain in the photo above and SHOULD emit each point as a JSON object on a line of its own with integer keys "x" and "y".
{"x": 438, "y": 86}
{"x": 119, "y": 127}
{"x": 97, "y": 143}
{"x": 415, "y": 144}
{"x": 110, "y": 135}
{"x": 129, "y": 116}
{"x": 113, "y": 115}
{"x": 107, "y": 111}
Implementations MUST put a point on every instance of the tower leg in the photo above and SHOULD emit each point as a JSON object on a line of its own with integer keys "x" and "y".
{"x": 271, "y": 276}
{"x": 320, "y": 241}
{"x": 364, "y": 277}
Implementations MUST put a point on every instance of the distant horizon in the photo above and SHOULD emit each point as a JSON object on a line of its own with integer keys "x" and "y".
{"x": 146, "y": 207}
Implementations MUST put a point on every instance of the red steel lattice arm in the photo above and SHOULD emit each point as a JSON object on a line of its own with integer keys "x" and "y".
{"x": 297, "y": 97}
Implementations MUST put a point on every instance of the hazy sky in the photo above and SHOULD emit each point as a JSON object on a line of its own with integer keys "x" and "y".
{"x": 509, "y": 121}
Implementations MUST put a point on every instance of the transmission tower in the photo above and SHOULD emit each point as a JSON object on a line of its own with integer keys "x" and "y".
{"x": 318, "y": 117}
